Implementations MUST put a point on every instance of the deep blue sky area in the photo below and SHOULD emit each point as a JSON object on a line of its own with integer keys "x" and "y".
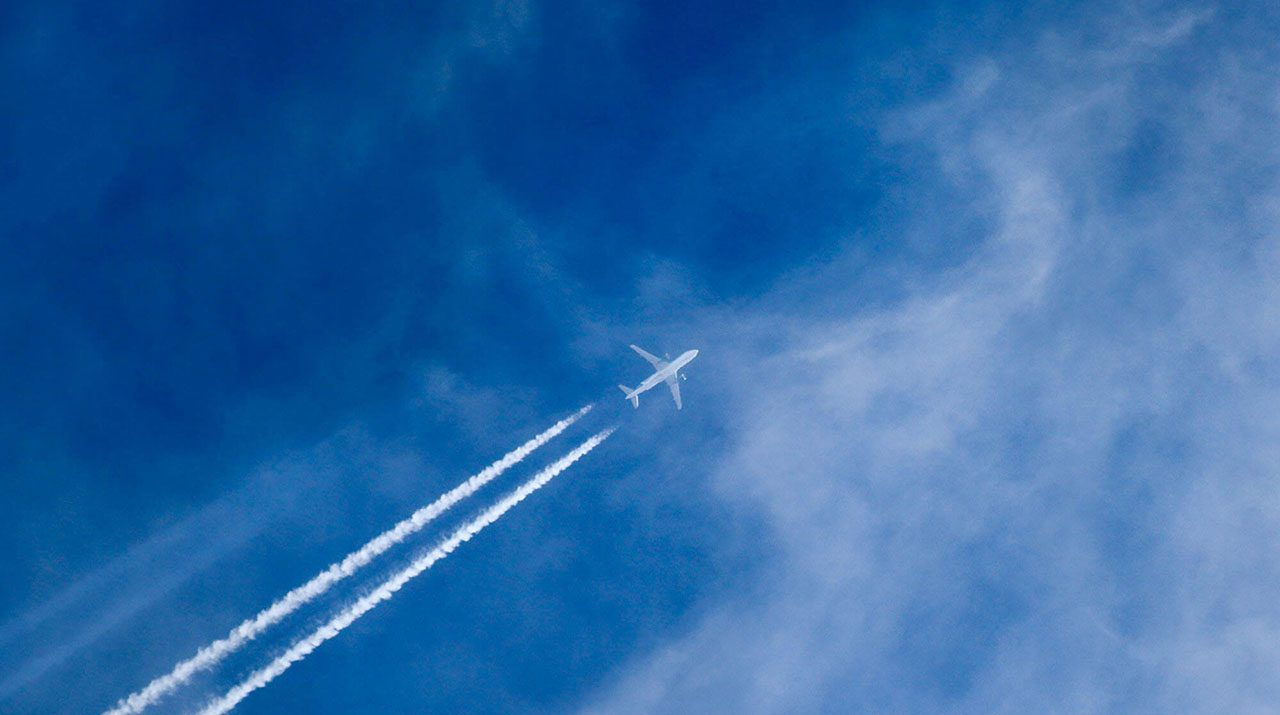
{"x": 983, "y": 419}
{"x": 244, "y": 208}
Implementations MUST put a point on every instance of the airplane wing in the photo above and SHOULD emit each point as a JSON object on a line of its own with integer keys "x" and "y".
{"x": 653, "y": 359}
{"x": 674, "y": 383}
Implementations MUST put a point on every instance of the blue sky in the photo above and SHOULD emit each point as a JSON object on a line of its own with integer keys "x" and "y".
{"x": 983, "y": 419}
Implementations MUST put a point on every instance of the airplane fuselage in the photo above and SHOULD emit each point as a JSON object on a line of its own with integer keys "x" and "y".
{"x": 672, "y": 368}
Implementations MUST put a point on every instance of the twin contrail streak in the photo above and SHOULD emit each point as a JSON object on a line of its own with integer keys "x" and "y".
{"x": 388, "y": 588}
{"x": 211, "y": 654}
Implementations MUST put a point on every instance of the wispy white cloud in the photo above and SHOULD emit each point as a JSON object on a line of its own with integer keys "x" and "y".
{"x": 1044, "y": 479}
{"x": 116, "y": 592}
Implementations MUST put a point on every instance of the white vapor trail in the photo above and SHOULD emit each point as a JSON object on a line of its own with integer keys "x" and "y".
{"x": 211, "y": 654}
{"x": 388, "y": 588}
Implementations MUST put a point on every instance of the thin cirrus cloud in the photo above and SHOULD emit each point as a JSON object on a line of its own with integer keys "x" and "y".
{"x": 1041, "y": 478}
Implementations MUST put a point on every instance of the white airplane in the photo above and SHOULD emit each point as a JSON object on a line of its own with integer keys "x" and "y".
{"x": 665, "y": 371}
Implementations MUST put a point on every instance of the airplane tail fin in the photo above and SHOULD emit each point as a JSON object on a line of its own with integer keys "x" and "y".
{"x": 635, "y": 399}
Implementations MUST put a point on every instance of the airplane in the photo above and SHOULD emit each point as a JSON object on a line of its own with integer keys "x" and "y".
{"x": 664, "y": 371}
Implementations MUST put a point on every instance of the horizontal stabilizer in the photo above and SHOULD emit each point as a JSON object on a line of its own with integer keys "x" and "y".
{"x": 635, "y": 399}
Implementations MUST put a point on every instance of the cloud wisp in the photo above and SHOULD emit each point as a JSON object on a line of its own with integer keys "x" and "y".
{"x": 346, "y": 616}
{"x": 1042, "y": 477}
{"x": 214, "y": 652}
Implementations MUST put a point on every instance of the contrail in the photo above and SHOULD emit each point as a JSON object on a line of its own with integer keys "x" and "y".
{"x": 211, "y": 654}
{"x": 388, "y": 588}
